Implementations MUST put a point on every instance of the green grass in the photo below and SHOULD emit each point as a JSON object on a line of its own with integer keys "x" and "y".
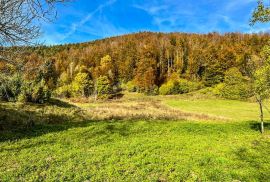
{"x": 138, "y": 150}
{"x": 231, "y": 109}
{"x": 78, "y": 149}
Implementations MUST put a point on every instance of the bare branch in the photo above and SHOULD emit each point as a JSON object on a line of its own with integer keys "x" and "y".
{"x": 20, "y": 20}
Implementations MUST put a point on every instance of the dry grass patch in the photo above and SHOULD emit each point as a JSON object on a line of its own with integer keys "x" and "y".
{"x": 141, "y": 108}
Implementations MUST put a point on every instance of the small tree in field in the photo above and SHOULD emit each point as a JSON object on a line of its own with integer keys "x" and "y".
{"x": 258, "y": 70}
{"x": 261, "y": 77}
{"x": 262, "y": 83}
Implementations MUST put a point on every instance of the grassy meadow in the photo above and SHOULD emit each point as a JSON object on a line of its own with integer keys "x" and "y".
{"x": 135, "y": 138}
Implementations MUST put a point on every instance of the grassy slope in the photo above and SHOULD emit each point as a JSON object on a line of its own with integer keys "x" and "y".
{"x": 231, "y": 109}
{"x": 142, "y": 149}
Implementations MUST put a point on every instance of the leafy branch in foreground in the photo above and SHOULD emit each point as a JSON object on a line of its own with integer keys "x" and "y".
{"x": 261, "y": 13}
{"x": 20, "y": 27}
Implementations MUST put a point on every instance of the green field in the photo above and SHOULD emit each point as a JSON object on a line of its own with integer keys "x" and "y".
{"x": 229, "y": 109}
{"x": 82, "y": 146}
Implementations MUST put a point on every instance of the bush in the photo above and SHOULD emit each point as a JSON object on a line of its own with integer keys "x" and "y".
{"x": 14, "y": 88}
{"x": 10, "y": 87}
{"x": 64, "y": 91}
{"x": 167, "y": 88}
{"x": 153, "y": 90}
{"x": 82, "y": 85}
{"x": 235, "y": 92}
{"x": 235, "y": 86}
{"x": 104, "y": 87}
{"x": 34, "y": 92}
{"x": 41, "y": 93}
{"x": 179, "y": 86}
{"x": 130, "y": 86}
{"x": 26, "y": 88}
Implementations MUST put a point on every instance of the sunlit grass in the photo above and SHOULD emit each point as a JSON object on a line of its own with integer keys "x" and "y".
{"x": 138, "y": 151}
{"x": 71, "y": 141}
{"x": 231, "y": 109}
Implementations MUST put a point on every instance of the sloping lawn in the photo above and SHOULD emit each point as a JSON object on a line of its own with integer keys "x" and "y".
{"x": 230, "y": 109}
{"x": 137, "y": 151}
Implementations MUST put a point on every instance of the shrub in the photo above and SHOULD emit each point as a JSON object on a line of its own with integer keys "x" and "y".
{"x": 10, "y": 87}
{"x": 213, "y": 75}
{"x": 40, "y": 93}
{"x": 82, "y": 85}
{"x": 64, "y": 91}
{"x": 34, "y": 92}
{"x": 167, "y": 88}
{"x": 182, "y": 86}
{"x": 235, "y": 86}
{"x": 103, "y": 87}
{"x": 179, "y": 86}
{"x": 22, "y": 98}
{"x": 130, "y": 86}
{"x": 14, "y": 88}
{"x": 19, "y": 87}
{"x": 239, "y": 91}
{"x": 153, "y": 90}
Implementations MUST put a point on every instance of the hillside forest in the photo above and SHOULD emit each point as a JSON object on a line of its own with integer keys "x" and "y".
{"x": 146, "y": 62}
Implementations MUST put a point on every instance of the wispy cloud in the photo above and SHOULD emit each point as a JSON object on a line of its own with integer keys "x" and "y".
{"x": 117, "y": 17}
{"x": 236, "y": 4}
{"x": 166, "y": 16}
{"x": 85, "y": 19}
{"x": 201, "y": 17}
{"x": 151, "y": 9}
{"x": 102, "y": 27}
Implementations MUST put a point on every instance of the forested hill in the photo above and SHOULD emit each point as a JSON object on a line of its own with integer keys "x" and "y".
{"x": 150, "y": 59}
{"x": 157, "y": 55}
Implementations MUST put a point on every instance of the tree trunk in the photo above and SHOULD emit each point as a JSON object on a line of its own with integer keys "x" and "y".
{"x": 261, "y": 115}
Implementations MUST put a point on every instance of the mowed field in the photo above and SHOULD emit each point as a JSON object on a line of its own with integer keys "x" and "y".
{"x": 135, "y": 138}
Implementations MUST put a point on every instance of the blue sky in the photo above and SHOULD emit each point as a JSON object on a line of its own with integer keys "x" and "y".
{"x": 86, "y": 20}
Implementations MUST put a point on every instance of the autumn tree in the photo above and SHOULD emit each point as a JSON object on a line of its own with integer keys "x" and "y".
{"x": 148, "y": 59}
{"x": 106, "y": 78}
{"x": 103, "y": 88}
{"x": 82, "y": 85}
{"x": 145, "y": 76}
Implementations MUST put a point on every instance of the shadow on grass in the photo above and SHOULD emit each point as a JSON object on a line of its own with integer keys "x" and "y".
{"x": 123, "y": 130}
{"x": 99, "y": 133}
{"x": 59, "y": 103}
{"x": 257, "y": 156}
{"x": 18, "y": 123}
{"x": 36, "y": 130}
{"x": 116, "y": 96}
{"x": 255, "y": 125}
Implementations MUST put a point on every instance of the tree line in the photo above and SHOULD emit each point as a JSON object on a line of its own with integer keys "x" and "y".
{"x": 144, "y": 62}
